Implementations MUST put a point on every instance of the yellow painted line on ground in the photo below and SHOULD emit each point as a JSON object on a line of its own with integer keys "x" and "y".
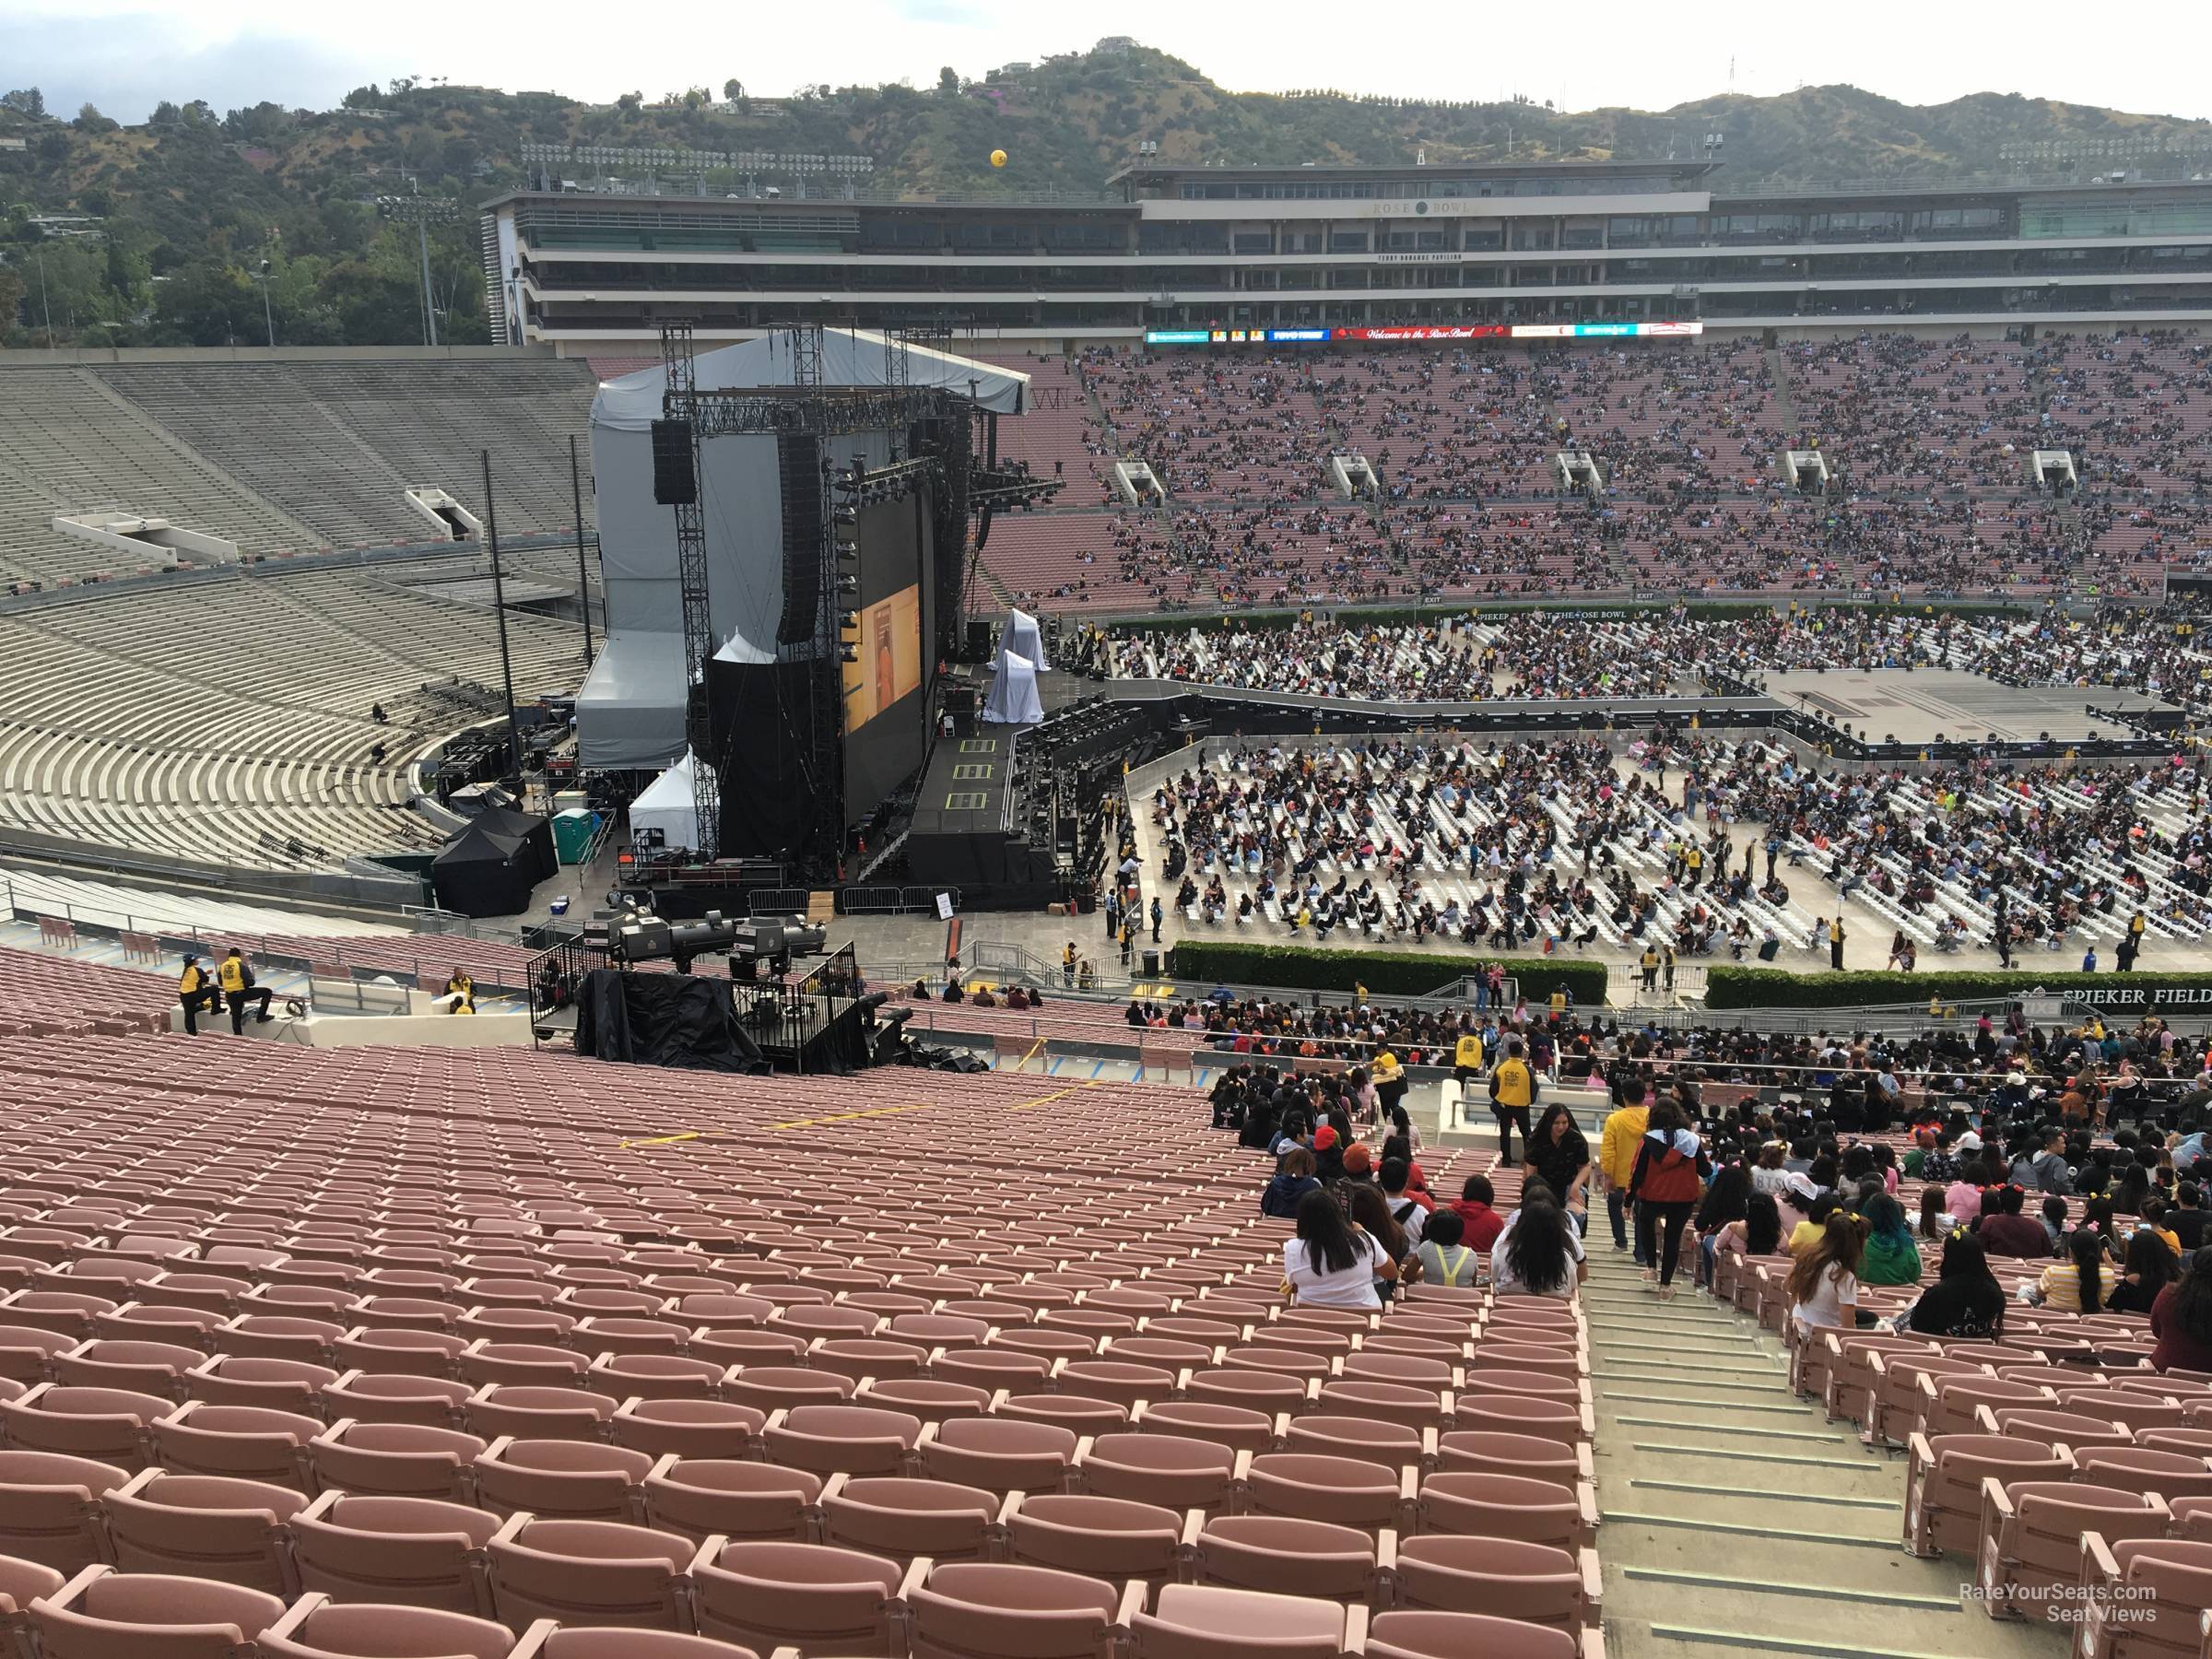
{"x": 1056, "y": 1094}
{"x": 661, "y": 1140}
{"x": 846, "y": 1117}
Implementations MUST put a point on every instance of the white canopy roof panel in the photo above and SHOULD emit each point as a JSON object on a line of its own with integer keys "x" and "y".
{"x": 850, "y": 358}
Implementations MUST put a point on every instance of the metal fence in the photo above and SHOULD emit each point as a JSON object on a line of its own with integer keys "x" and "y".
{"x": 169, "y": 936}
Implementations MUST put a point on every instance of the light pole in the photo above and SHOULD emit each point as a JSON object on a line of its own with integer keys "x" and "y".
{"x": 45, "y": 303}
{"x": 422, "y": 210}
{"x": 268, "y": 316}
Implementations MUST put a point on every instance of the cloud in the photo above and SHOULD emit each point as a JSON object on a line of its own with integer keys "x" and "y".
{"x": 128, "y": 64}
{"x": 951, "y": 12}
{"x": 127, "y": 54}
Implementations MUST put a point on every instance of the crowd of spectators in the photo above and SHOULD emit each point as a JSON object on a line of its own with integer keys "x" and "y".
{"x": 1928, "y": 440}
{"x": 1517, "y": 846}
{"x": 2082, "y": 1121}
{"x": 2162, "y": 650}
{"x": 1574, "y": 843}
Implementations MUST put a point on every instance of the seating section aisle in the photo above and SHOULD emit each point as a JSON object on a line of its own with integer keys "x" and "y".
{"x": 307, "y": 1349}
{"x": 2046, "y": 1462}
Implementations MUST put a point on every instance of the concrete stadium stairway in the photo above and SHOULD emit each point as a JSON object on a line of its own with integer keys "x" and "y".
{"x": 1736, "y": 1519}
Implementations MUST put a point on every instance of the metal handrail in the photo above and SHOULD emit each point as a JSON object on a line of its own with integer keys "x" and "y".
{"x": 260, "y": 947}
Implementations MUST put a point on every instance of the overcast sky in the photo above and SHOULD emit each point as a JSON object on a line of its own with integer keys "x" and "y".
{"x": 125, "y": 54}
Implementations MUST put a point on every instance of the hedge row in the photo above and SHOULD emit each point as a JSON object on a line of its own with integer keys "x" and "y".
{"x": 1385, "y": 973}
{"x": 1731, "y": 987}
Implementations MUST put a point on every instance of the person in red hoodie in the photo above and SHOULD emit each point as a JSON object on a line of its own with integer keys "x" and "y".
{"x": 1665, "y": 1184}
{"x": 1482, "y": 1223}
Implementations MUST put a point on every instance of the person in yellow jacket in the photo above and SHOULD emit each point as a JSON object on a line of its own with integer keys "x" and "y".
{"x": 1467, "y": 1066}
{"x": 463, "y": 990}
{"x": 1512, "y": 1092}
{"x": 195, "y": 990}
{"x": 1617, "y": 1155}
{"x": 236, "y": 977}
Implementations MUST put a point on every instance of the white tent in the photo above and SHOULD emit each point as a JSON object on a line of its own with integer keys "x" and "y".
{"x": 667, "y": 805}
{"x": 629, "y": 714}
{"x": 631, "y": 402}
{"x": 1013, "y": 700}
{"x": 1022, "y": 637}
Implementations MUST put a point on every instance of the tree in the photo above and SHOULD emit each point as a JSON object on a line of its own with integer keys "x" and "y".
{"x": 207, "y": 303}
{"x": 347, "y": 227}
{"x": 630, "y": 103}
{"x": 25, "y": 100}
{"x": 948, "y": 80}
{"x": 166, "y": 115}
{"x": 371, "y": 97}
{"x": 90, "y": 119}
{"x": 126, "y": 276}
{"x": 733, "y": 88}
{"x": 11, "y": 297}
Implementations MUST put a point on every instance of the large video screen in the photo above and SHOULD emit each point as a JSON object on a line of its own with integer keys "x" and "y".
{"x": 886, "y": 687}
{"x": 888, "y": 668}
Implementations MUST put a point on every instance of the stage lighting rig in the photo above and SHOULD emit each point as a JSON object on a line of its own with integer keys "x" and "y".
{"x": 647, "y": 938}
{"x": 1011, "y": 484}
{"x": 869, "y": 486}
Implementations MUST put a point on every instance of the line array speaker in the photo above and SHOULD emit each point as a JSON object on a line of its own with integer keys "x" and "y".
{"x": 799, "y": 468}
{"x": 673, "y": 482}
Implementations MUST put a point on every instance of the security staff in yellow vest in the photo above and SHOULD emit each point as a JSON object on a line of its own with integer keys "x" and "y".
{"x": 196, "y": 991}
{"x": 1512, "y": 1092}
{"x": 1467, "y": 1066}
{"x": 236, "y": 979}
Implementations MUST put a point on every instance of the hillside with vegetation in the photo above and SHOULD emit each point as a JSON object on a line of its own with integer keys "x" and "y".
{"x": 204, "y": 215}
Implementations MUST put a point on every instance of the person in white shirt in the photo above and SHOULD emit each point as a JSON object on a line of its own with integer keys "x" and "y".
{"x": 1332, "y": 1262}
{"x": 1537, "y": 1253}
{"x": 1824, "y": 1285}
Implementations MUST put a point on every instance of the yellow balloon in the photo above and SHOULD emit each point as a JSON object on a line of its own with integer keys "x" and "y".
{"x": 998, "y": 158}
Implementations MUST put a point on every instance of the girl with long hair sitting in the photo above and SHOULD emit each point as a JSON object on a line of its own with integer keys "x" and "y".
{"x": 1330, "y": 1262}
{"x": 2151, "y": 1266}
{"x": 1824, "y": 1285}
{"x": 1891, "y": 1257}
{"x": 1759, "y": 1231}
{"x": 1965, "y": 1300}
{"x": 1539, "y": 1253}
{"x": 2081, "y": 1282}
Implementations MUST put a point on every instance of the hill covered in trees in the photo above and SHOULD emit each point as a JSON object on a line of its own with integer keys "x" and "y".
{"x": 192, "y": 203}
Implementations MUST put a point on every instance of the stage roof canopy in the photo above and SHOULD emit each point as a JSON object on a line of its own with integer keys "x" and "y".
{"x": 850, "y": 358}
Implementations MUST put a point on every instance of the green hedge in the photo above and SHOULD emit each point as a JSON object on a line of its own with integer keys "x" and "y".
{"x": 1731, "y": 987}
{"x": 1385, "y": 973}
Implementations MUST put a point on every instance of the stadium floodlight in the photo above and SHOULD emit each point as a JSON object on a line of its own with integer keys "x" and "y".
{"x": 423, "y": 210}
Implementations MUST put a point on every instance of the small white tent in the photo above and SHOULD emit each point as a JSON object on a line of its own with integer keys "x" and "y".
{"x": 667, "y": 805}
{"x": 1013, "y": 700}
